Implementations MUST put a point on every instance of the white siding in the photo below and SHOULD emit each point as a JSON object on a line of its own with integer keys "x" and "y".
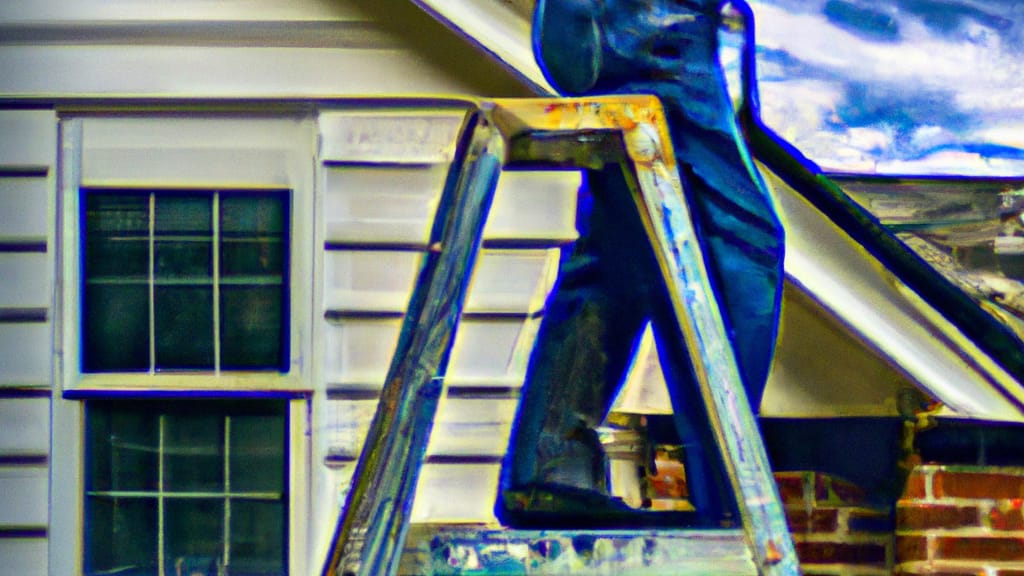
{"x": 24, "y": 556}
{"x": 28, "y": 151}
{"x": 234, "y": 153}
{"x": 26, "y": 352}
{"x": 26, "y": 496}
{"x": 28, "y": 138}
{"x": 464, "y": 427}
{"x": 374, "y": 204}
{"x": 237, "y": 49}
{"x": 23, "y": 207}
{"x": 25, "y": 423}
{"x": 534, "y": 205}
{"x": 26, "y": 280}
{"x": 90, "y": 10}
{"x": 377, "y": 211}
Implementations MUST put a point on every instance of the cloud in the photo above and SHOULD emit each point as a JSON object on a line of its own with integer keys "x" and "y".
{"x": 862, "y": 21}
{"x": 872, "y": 84}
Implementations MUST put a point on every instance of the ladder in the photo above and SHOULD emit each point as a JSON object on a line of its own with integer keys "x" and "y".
{"x": 584, "y": 132}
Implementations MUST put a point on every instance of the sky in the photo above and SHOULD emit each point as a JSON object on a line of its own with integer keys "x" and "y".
{"x": 898, "y": 86}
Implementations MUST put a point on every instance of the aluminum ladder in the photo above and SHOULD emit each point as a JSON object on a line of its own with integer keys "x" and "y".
{"x": 370, "y": 536}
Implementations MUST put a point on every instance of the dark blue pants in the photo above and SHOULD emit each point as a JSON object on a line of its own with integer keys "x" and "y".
{"x": 608, "y": 290}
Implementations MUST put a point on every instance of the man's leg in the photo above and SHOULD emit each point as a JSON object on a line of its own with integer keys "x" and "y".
{"x": 588, "y": 337}
{"x": 743, "y": 243}
{"x": 564, "y": 398}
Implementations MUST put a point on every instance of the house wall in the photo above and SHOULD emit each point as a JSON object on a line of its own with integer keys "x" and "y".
{"x": 371, "y": 254}
{"x": 957, "y": 519}
{"x": 317, "y": 62}
{"x": 334, "y": 67}
{"x": 28, "y": 153}
{"x": 375, "y": 203}
{"x": 236, "y": 49}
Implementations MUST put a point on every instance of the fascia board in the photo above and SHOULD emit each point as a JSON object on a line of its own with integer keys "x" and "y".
{"x": 497, "y": 30}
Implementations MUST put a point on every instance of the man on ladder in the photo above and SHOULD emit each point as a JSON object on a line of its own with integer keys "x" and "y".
{"x": 611, "y": 286}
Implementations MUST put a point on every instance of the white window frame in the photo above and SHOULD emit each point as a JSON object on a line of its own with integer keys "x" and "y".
{"x": 200, "y": 151}
{"x": 255, "y": 160}
{"x": 292, "y": 411}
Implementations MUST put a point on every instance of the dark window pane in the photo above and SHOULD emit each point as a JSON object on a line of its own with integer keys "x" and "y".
{"x": 117, "y": 213}
{"x": 184, "y": 327}
{"x": 194, "y": 452}
{"x": 118, "y": 256}
{"x": 123, "y": 451}
{"x": 115, "y": 315}
{"x": 252, "y": 233}
{"x": 252, "y": 257}
{"x": 125, "y": 258}
{"x": 183, "y": 215}
{"x": 257, "y": 453}
{"x": 251, "y": 214}
{"x": 183, "y": 237}
{"x": 116, "y": 235}
{"x": 194, "y": 535}
{"x": 121, "y": 535}
{"x": 115, "y": 327}
{"x": 183, "y": 260}
{"x": 251, "y": 327}
{"x": 257, "y": 537}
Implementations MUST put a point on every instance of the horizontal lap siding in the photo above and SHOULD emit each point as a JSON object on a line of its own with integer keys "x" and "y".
{"x": 379, "y": 198}
{"x": 23, "y": 207}
{"x": 23, "y": 556}
{"x": 28, "y": 149}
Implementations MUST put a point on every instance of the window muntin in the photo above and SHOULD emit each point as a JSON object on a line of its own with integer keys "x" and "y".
{"x": 176, "y": 280}
{"x": 196, "y": 486}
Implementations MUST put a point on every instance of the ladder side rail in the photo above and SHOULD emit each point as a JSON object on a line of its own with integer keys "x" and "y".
{"x": 670, "y": 230}
{"x": 659, "y": 197}
{"x": 371, "y": 531}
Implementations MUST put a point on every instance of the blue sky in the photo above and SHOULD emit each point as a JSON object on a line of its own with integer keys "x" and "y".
{"x": 899, "y": 87}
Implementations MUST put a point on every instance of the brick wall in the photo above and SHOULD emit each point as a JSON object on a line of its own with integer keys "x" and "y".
{"x": 958, "y": 520}
{"x": 835, "y": 532}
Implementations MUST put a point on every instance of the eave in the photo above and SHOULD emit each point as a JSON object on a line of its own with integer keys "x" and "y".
{"x": 874, "y": 305}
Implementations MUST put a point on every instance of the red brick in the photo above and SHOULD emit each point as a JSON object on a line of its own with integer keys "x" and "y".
{"x": 981, "y": 548}
{"x": 923, "y": 516}
{"x": 836, "y": 490}
{"x": 670, "y": 481}
{"x": 916, "y": 487}
{"x": 944, "y": 569}
{"x": 791, "y": 487}
{"x": 846, "y": 572}
{"x": 940, "y": 570}
{"x": 986, "y": 485}
{"x": 869, "y": 521}
{"x": 840, "y": 553}
{"x": 820, "y": 520}
{"x": 910, "y": 548}
{"x": 829, "y": 573}
{"x": 1006, "y": 515}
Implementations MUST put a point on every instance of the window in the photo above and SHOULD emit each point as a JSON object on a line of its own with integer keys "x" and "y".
{"x": 184, "y": 266}
{"x": 184, "y": 280}
{"x": 185, "y": 488}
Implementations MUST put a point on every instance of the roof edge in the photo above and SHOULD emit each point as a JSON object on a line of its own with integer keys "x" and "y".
{"x": 497, "y": 30}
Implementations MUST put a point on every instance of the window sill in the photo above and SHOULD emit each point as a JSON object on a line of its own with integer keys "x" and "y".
{"x": 181, "y": 384}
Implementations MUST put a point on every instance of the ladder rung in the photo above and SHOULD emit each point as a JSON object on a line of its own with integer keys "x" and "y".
{"x": 459, "y": 549}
